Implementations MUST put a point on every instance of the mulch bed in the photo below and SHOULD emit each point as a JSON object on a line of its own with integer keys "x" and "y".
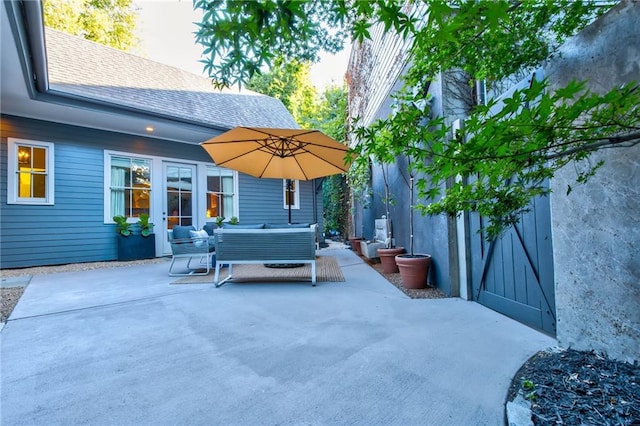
{"x": 579, "y": 388}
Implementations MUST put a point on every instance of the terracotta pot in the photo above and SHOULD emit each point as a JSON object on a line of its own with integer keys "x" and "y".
{"x": 388, "y": 258}
{"x": 355, "y": 244}
{"x": 414, "y": 269}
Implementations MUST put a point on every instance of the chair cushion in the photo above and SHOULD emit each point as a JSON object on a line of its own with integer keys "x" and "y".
{"x": 180, "y": 232}
{"x": 250, "y": 226}
{"x": 202, "y": 234}
{"x": 209, "y": 227}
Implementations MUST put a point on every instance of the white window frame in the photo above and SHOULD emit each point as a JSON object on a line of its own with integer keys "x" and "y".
{"x": 296, "y": 194}
{"x": 107, "y": 182}
{"x": 234, "y": 191}
{"x": 12, "y": 170}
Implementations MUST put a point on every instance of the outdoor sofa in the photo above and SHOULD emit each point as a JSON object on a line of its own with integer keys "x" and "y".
{"x": 274, "y": 244}
{"x": 266, "y": 243}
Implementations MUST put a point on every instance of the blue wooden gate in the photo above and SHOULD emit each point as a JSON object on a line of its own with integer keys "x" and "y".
{"x": 514, "y": 273}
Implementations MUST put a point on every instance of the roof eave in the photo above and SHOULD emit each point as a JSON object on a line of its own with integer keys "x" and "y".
{"x": 27, "y": 25}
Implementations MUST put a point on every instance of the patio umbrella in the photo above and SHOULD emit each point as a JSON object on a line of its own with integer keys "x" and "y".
{"x": 278, "y": 153}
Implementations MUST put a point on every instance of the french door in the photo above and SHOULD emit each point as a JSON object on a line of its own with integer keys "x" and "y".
{"x": 179, "y": 205}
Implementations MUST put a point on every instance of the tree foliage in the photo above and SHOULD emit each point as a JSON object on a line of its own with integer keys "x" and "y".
{"x": 242, "y": 37}
{"x": 331, "y": 118}
{"x": 291, "y": 83}
{"x": 504, "y": 155}
{"x": 108, "y": 22}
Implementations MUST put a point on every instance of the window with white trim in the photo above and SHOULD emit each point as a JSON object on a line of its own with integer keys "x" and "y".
{"x": 291, "y": 195}
{"x": 220, "y": 193}
{"x": 129, "y": 186}
{"x": 30, "y": 172}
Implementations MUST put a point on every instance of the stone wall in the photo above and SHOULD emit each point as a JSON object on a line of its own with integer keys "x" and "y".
{"x": 596, "y": 228}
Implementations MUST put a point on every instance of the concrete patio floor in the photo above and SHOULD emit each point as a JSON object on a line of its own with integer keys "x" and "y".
{"x": 123, "y": 346}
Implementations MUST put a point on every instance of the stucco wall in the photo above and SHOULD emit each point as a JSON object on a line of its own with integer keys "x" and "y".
{"x": 596, "y": 229}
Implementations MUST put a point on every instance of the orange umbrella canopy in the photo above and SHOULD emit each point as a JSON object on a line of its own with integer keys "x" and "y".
{"x": 278, "y": 153}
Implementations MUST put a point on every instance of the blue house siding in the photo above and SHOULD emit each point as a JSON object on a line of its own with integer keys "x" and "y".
{"x": 261, "y": 201}
{"x": 72, "y": 230}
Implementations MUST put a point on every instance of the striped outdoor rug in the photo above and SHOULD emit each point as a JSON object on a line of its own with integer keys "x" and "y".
{"x": 327, "y": 269}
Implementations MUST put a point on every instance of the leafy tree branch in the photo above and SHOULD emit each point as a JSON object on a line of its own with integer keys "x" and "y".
{"x": 507, "y": 150}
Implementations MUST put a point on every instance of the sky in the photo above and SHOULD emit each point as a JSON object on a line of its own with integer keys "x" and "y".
{"x": 165, "y": 29}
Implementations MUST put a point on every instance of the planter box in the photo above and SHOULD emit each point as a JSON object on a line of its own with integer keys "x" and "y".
{"x": 135, "y": 247}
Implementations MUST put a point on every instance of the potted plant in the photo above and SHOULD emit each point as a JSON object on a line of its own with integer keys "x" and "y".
{"x": 146, "y": 227}
{"x": 376, "y": 147}
{"x": 414, "y": 268}
{"x": 135, "y": 245}
{"x": 123, "y": 227}
{"x": 388, "y": 253}
{"x": 385, "y": 141}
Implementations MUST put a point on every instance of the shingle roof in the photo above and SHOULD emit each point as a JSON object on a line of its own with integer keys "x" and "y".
{"x": 84, "y": 68}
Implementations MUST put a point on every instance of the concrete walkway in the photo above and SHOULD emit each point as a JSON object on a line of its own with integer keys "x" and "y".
{"x": 123, "y": 346}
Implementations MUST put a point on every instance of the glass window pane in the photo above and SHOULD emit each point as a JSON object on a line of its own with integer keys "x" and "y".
{"x": 220, "y": 192}
{"x": 227, "y": 184}
{"x": 213, "y": 206}
{"x": 227, "y": 206}
{"x": 117, "y": 202}
{"x": 24, "y": 157}
{"x": 39, "y": 159}
{"x": 39, "y": 186}
{"x": 127, "y": 203}
{"x": 24, "y": 184}
{"x": 213, "y": 184}
{"x": 186, "y": 204}
{"x": 173, "y": 205}
{"x": 130, "y": 186}
{"x": 141, "y": 173}
{"x": 117, "y": 177}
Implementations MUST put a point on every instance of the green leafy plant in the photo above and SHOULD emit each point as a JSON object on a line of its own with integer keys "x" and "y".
{"x": 219, "y": 221}
{"x": 530, "y": 389}
{"x": 146, "y": 228}
{"x": 123, "y": 227}
{"x": 234, "y": 220}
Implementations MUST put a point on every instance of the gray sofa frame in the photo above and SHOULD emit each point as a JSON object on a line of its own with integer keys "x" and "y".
{"x": 272, "y": 246}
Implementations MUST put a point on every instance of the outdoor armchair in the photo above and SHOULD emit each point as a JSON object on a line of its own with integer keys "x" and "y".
{"x": 193, "y": 246}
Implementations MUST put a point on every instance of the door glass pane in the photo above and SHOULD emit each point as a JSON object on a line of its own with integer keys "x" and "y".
{"x": 179, "y": 182}
{"x": 185, "y": 203}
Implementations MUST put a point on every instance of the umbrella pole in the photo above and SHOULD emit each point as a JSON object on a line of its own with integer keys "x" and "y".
{"x": 289, "y": 198}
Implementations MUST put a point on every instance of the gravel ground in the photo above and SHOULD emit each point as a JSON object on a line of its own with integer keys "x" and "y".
{"x": 396, "y": 280}
{"x": 8, "y": 298}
